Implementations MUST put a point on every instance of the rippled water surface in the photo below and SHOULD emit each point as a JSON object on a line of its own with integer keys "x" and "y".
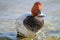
{"x": 10, "y": 10}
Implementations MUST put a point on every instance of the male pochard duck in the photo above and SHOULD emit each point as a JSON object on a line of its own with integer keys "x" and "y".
{"x": 29, "y": 24}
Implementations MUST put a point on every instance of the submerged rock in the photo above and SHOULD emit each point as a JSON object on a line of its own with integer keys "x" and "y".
{"x": 4, "y": 38}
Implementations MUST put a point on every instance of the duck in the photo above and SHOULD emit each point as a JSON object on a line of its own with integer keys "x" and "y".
{"x": 29, "y": 24}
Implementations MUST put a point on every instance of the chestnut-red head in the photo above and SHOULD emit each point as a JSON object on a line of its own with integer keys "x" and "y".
{"x": 36, "y": 9}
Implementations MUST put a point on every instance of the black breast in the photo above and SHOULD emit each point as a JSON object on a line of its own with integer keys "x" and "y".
{"x": 33, "y": 24}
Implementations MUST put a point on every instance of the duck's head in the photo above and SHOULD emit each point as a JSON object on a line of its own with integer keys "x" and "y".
{"x": 37, "y": 9}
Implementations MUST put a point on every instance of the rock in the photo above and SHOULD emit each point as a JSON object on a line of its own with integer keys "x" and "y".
{"x": 4, "y": 38}
{"x": 51, "y": 38}
{"x": 58, "y": 38}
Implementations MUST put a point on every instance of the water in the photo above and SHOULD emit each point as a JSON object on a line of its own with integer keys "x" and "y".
{"x": 8, "y": 35}
{"x": 11, "y": 9}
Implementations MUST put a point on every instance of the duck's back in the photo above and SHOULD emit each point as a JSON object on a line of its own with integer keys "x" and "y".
{"x": 20, "y": 27}
{"x": 29, "y": 25}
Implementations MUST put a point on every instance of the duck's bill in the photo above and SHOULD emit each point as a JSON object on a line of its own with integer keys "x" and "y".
{"x": 42, "y": 15}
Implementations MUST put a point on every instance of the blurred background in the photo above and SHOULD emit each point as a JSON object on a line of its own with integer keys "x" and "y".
{"x": 10, "y": 10}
